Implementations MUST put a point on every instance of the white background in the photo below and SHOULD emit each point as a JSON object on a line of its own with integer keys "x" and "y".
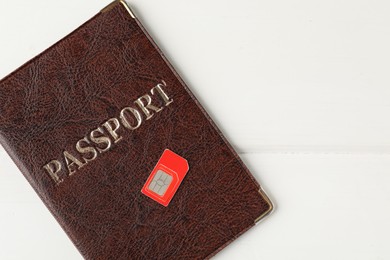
{"x": 300, "y": 88}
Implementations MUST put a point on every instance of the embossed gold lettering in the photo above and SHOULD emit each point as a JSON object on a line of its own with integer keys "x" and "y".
{"x": 72, "y": 162}
{"x": 125, "y": 119}
{"x": 145, "y": 107}
{"x": 86, "y": 150}
{"x": 53, "y": 168}
{"x": 162, "y": 94}
{"x": 97, "y": 138}
{"x": 112, "y": 130}
{"x": 103, "y": 138}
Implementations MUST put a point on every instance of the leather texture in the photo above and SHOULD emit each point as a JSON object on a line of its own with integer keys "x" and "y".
{"x": 55, "y": 99}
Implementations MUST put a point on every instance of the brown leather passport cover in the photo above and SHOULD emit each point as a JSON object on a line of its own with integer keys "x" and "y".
{"x": 86, "y": 122}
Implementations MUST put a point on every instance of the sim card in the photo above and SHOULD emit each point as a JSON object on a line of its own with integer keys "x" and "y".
{"x": 166, "y": 177}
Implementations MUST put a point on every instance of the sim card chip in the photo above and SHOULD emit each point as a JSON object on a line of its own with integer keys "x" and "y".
{"x": 166, "y": 177}
{"x": 160, "y": 182}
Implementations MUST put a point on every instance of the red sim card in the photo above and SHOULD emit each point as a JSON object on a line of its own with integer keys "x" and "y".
{"x": 166, "y": 177}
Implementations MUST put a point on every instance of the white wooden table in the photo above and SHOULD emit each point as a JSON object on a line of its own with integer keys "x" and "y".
{"x": 300, "y": 88}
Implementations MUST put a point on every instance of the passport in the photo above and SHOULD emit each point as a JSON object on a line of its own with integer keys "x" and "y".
{"x": 120, "y": 150}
